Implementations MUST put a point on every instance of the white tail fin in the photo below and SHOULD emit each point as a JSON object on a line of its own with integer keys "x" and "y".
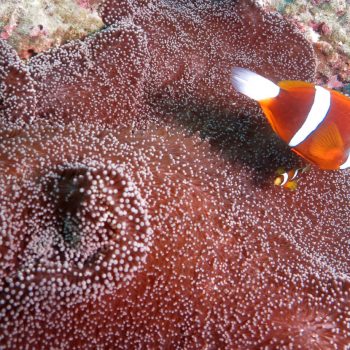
{"x": 253, "y": 85}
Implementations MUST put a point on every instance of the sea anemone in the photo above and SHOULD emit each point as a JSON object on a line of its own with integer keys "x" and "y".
{"x": 137, "y": 200}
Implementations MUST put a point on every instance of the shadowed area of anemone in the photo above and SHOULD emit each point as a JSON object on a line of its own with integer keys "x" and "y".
{"x": 137, "y": 207}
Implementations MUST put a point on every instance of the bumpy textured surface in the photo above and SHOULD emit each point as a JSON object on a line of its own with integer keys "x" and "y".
{"x": 224, "y": 263}
{"x": 100, "y": 78}
{"x": 137, "y": 209}
{"x": 17, "y": 94}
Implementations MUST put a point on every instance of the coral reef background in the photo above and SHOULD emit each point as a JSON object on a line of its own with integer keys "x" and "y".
{"x": 326, "y": 23}
{"x": 35, "y": 26}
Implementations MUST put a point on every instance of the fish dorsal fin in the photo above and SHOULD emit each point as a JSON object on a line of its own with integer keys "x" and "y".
{"x": 327, "y": 142}
{"x": 289, "y": 84}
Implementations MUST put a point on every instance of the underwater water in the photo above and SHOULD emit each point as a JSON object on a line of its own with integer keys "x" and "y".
{"x": 138, "y": 208}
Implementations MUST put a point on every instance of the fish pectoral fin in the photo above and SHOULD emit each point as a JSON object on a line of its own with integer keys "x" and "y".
{"x": 328, "y": 142}
{"x": 291, "y": 185}
{"x": 278, "y": 181}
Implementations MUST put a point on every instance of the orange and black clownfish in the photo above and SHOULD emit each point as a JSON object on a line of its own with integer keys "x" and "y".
{"x": 289, "y": 179}
{"x": 314, "y": 121}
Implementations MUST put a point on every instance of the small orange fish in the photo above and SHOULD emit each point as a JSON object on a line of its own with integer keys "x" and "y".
{"x": 313, "y": 120}
{"x": 289, "y": 179}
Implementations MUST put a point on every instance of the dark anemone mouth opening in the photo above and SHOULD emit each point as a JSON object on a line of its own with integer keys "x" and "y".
{"x": 67, "y": 191}
{"x": 93, "y": 226}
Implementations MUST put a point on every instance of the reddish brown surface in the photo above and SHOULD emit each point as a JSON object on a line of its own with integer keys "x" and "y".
{"x": 17, "y": 95}
{"x": 99, "y": 79}
{"x": 231, "y": 262}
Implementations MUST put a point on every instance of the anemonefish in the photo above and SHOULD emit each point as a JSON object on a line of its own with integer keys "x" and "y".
{"x": 289, "y": 179}
{"x": 314, "y": 121}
